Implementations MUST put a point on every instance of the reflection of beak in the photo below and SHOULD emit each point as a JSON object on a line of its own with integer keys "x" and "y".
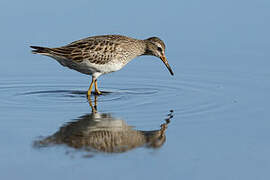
{"x": 164, "y": 59}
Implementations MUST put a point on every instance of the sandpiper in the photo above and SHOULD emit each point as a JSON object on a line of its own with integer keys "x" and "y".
{"x": 99, "y": 55}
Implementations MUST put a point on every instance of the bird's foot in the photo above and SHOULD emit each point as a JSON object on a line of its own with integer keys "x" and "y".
{"x": 98, "y": 92}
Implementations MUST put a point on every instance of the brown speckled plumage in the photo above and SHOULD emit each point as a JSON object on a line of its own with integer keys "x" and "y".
{"x": 99, "y": 49}
{"x": 99, "y": 55}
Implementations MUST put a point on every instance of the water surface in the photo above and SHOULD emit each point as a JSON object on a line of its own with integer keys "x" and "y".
{"x": 209, "y": 121}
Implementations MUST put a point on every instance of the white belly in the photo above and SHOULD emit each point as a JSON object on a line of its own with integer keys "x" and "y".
{"x": 86, "y": 67}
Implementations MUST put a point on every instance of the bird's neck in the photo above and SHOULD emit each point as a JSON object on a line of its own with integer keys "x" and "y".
{"x": 146, "y": 50}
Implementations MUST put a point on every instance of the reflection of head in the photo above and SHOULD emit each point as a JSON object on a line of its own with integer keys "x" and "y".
{"x": 157, "y": 142}
{"x": 157, "y": 138}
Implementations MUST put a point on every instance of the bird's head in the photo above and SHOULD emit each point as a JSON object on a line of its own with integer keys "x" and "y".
{"x": 156, "y": 47}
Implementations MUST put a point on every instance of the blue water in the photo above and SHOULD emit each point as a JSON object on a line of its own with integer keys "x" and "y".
{"x": 217, "y": 102}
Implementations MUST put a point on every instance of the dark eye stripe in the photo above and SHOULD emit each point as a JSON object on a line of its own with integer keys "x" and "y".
{"x": 159, "y": 49}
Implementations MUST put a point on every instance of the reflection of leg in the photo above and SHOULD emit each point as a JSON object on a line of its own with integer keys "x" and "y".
{"x": 93, "y": 108}
{"x": 96, "y": 88}
{"x": 90, "y": 88}
{"x": 95, "y": 102}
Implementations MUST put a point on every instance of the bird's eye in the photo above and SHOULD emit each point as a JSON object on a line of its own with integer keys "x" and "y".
{"x": 159, "y": 49}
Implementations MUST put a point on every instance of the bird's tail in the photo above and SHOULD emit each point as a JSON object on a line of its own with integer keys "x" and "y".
{"x": 40, "y": 50}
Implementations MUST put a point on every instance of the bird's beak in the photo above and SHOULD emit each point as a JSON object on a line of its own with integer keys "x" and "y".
{"x": 165, "y": 61}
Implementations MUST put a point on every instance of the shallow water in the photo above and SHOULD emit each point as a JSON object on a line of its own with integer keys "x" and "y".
{"x": 209, "y": 121}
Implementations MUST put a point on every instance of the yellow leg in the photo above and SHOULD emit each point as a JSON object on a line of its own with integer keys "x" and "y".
{"x": 96, "y": 88}
{"x": 90, "y": 88}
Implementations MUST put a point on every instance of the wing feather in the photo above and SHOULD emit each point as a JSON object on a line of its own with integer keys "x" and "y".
{"x": 98, "y": 50}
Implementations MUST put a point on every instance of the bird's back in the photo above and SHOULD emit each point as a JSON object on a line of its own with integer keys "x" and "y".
{"x": 96, "y": 49}
{"x": 102, "y": 54}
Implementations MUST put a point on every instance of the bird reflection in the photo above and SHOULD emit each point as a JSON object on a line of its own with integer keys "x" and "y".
{"x": 102, "y": 132}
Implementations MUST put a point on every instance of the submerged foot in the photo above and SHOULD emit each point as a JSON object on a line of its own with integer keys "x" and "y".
{"x": 98, "y": 93}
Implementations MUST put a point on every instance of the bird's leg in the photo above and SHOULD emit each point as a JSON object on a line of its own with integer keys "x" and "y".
{"x": 90, "y": 88}
{"x": 96, "y": 88}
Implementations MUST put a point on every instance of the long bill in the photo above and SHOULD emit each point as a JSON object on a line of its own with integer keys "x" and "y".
{"x": 165, "y": 61}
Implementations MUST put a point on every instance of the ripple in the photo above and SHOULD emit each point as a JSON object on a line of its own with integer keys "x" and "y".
{"x": 188, "y": 96}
